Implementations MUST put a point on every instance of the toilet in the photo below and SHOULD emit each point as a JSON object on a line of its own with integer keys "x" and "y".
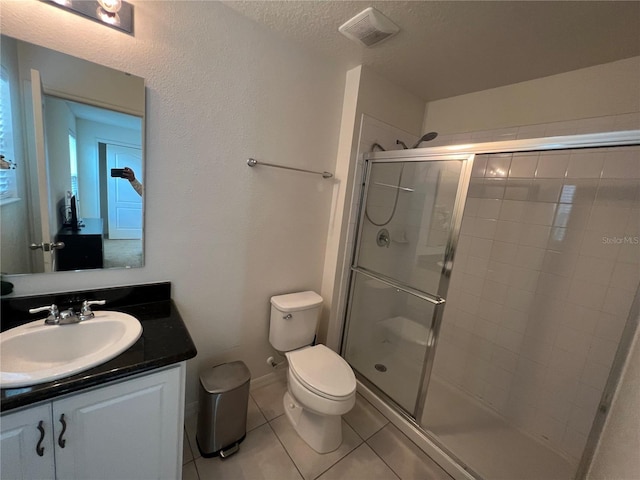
{"x": 321, "y": 386}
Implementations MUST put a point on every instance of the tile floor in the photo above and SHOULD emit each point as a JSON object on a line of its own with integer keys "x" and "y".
{"x": 372, "y": 448}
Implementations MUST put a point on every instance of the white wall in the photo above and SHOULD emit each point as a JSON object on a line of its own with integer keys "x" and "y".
{"x": 219, "y": 90}
{"x": 608, "y": 89}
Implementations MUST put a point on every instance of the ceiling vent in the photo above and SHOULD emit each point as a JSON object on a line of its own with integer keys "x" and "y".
{"x": 369, "y": 28}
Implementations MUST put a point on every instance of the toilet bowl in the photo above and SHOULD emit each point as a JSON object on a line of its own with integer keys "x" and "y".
{"x": 321, "y": 386}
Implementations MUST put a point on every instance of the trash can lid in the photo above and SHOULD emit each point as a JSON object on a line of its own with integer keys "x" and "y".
{"x": 225, "y": 377}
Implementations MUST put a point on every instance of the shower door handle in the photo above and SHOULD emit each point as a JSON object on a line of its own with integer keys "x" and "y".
{"x": 434, "y": 299}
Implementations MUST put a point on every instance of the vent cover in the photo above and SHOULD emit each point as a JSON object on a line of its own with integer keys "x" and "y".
{"x": 369, "y": 28}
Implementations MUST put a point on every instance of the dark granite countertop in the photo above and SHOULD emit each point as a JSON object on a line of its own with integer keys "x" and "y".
{"x": 165, "y": 339}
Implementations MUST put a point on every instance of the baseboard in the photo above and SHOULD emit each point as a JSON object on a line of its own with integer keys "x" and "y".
{"x": 276, "y": 376}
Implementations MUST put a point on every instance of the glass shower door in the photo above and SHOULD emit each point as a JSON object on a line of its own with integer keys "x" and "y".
{"x": 409, "y": 220}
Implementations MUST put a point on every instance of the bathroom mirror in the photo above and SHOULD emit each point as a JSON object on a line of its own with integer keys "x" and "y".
{"x": 68, "y": 127}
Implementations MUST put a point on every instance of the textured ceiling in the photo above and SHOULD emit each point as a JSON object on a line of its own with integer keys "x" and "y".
{"x": 455, "y": 47}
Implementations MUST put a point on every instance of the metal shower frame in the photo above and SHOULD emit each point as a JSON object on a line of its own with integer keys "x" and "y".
{"x": 466, "y": 153}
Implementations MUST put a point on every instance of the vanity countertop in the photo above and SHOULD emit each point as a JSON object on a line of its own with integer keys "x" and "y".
{"x": 165, "y": 339}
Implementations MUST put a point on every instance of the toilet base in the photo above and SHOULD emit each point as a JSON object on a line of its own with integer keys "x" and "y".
{"x": 323, "y": 433}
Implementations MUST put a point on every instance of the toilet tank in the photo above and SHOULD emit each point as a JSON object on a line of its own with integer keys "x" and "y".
{"x": 294, "y": 319}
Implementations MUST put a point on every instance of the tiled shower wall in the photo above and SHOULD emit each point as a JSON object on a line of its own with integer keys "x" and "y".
{"x": 375, "y": 131}
{"x": 522, "y": 383}
{"x": 544, "y": 276}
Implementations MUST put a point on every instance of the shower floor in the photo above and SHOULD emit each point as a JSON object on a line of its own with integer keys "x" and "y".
{"x": 485, "y": 441}
{"x": 399, "y": 381}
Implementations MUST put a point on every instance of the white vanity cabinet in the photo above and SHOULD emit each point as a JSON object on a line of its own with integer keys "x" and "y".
{"x": 26, "y": 444}
{"x": 130, "y": 429}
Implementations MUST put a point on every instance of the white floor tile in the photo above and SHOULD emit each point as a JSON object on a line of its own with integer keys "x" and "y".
{"x": 261, "y": 456}
{"x": 361, "y": 463}
{"x": 364, "y": 418}
{"x": 269, "y": 398}
{"x": 191, "y": 426}
{"x": 187, "y": 455}
{"x": 254, "y": 416}
{"x": 404, "y": 457}
{"x": 309, "y": 462}
{"x": 189, "y": 471}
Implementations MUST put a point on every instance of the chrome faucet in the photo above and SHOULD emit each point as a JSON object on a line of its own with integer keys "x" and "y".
{"x": 68, "y": 316}
{"x": 85, "y": 311}
{"x": 54, "y": 314}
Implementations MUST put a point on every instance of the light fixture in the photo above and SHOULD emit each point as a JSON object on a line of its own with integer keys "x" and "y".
{"x": 113, "y": 13}
{"x": 108, "y": 12}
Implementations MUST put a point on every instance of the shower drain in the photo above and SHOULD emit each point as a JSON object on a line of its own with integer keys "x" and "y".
{"x": 380, "y": 367}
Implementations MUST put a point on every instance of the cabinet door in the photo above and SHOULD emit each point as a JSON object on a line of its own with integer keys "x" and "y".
{"x": 129, "y": 430}
{"x": 26, "y": 451}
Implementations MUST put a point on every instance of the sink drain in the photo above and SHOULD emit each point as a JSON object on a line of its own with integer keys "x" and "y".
{"x": 380, "y": 367}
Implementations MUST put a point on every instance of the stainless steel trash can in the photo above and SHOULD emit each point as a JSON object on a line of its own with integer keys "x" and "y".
{"x": 222, "y": 419}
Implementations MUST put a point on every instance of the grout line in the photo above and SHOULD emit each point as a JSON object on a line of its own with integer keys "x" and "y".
{"x": 406, "y": 437}
{"x": 195, "y": 465}
{"x": 285, "y": 449}
{"x": 260, "y": 409}
{"x": 341, "y": 458}
{"x": 363, "y": 441}
{"x": 195, "y": 452}
{"x": 358, "y": 433}
{"x": 186, "y": 437}
{"x": 383, "y": 460}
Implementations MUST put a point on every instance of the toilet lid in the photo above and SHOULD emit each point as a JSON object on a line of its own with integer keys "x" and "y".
{"x": 323, "y": 371}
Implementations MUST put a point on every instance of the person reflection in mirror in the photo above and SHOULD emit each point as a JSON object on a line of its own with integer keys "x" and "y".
{"x": 131, "y": 176}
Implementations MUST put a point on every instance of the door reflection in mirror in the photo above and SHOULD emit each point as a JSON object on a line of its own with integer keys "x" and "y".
{"x": 105, "y": 140}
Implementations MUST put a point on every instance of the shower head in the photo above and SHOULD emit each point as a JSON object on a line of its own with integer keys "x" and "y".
{"x": 425, "y": 138}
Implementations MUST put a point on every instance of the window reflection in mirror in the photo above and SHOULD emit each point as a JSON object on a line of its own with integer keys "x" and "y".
{"x": 69, "y": 133}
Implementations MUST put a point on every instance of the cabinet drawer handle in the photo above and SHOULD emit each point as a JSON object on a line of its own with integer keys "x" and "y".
{"x": 61, "y": 441}
{"x": 39, "y": 447}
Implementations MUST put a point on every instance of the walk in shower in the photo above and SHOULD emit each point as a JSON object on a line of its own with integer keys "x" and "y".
{"x": 490, "y": 291}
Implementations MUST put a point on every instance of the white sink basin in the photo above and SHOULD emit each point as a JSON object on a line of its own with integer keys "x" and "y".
{"x": 37, "y": 353}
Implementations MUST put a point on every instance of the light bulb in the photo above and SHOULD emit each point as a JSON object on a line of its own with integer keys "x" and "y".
{"x": 108, "y": 17}
{"x": 111, "y": 6}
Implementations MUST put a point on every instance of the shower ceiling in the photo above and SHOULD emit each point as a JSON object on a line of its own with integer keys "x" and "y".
{"x": 456, "y": 47}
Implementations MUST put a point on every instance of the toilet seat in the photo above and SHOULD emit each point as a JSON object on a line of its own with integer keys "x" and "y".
{"x": 323, "y": 372}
